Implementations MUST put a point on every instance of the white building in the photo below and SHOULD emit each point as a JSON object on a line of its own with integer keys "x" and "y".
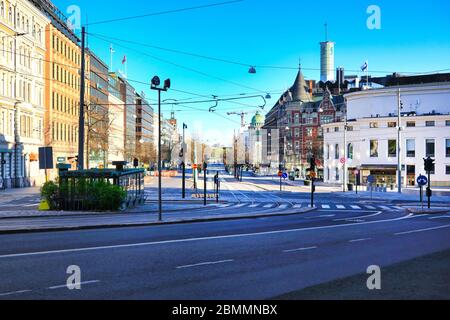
{"x": 116, "y": 135}
{"x": 22, "y": 43}
{"x": 371, "y": 142}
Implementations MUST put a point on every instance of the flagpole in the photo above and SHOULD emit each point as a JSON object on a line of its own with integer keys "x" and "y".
{"x": 367, "y": 75}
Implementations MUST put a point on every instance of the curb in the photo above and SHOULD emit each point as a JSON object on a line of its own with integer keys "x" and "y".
{"x": 425, "y": 211}
{"x": 147, "y": 224}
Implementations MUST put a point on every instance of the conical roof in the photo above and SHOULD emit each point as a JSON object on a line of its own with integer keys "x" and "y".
{"x": 300, "y": 91}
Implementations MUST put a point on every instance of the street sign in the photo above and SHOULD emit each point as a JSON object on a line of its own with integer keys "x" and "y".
{"x": 371, "y": 179}
{"x": 422, "y": 181}
{"x": 61, "y": 159}
{"x": 343, "y": 160}
{"x": 194, "y": 166}
{"x": 280, "y": 174}
{"x": 285, "y": 175}
{"x": 312, "y": 174}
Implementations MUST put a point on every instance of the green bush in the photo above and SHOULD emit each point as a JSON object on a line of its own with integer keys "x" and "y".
{"x": 49, "y": 192}
{"x": 95, "y": 195}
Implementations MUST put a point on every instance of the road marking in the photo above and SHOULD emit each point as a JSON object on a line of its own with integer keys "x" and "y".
{"x": 371, "y": 208}
{"x": 268, "y": 206}
{"x": 340, "y": 207}
{"x": 325, "y": 206}
{"x": 422, "y": 230}
{"x": 322, "y": 216}
{"x": 240, "y": 205}
{"x": 13, "y": 293}
{"x": 242, "y": 235}
{"x": 297, "y": 206}
{"x": 283, "y": 206}
{"x": 31, "y": 205}
{"x": 73, "y": 284}
{"x": 299, "y": 249}
{"x": 360, "y": 240}
{"x": 254, "y": 205}
{"x": 204, "y": 264}
{"x": 356, "y": 207}
{"x": 399, "y": 208}
{"x": 385, "y": 208}
{"x": 360, "y": 217}
{"x": 442, "y": 217}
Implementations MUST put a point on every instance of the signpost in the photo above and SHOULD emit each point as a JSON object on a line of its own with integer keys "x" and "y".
{"x": 422, "y": 181}
{"x": 371, "y": 179}
{"x": 429, "y": 167}
{"x": 356, "y": 172}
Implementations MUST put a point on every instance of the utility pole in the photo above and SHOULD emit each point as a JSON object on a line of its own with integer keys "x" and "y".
{"x": 399, "y": 142}
{"x": 344, "y": 176}
{"x": 82, "y": 90}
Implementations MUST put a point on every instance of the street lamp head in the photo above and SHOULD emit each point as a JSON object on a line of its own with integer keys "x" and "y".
{"x": 167, "y": 84}
{"x": 252, "y": 70}
{"x": 156, "y": 81}
{"x": 268, "y": 96}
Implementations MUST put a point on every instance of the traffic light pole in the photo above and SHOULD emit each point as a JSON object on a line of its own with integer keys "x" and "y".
{"x": 312, "y": 192}
{"x": 82, "y": 103}
{"x": 183, "y": 166}
{"x": 204, "y": 182}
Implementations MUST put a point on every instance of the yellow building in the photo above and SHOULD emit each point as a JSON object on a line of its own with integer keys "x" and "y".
{"x": 62, "y": 93}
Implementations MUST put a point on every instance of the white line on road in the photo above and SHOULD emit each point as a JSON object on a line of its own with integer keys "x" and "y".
{"x": 297, "y": 206}
{"x": 360, "y": 217}
{"x": 204, "y": 264}
{"x": 356, "y": 207}
{"x": 283, "y": 206}
{"x": 421, "y": 230}
{"x": 74, "y": 284}
{"x": 340, "y": 206}
{"x": 254, "y": 205}
{"x": 299, "y": 249}
{"x": 13, "y": 293}
{"x": 325, "y": 206}
{"x": 360, "y": 240}
{"x": 268, "y": 206}
{"x": 442, "y": 217}
{"x": 242, "y": 235}
{"x": 385, "y": 208}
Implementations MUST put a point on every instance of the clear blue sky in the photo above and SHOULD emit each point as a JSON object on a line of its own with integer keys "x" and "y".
{"x": 414, "y": 37}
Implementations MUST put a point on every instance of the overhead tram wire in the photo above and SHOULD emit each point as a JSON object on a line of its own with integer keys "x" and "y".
{"x": 248, "y": 64}
{"x": 164, "y": 12}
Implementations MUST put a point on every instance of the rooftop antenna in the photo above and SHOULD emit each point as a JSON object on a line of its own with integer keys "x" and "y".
{"x": 326, "y": 31}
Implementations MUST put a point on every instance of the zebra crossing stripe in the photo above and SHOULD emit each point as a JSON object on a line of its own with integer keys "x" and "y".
{"x": 268, "y": 206}
{"x": 284, "y": 206}
{"x": 340, "y": 206}
{"x": 240, "y": 205}
{"x": 356, "y": 207}
{"x": 254, "y": 205}
{"x": 399, "y": 208}
{"x": 325, "y": 206}
{"x": 371, "y": 208}
{"x": 385, "y": 208}
{"x": 297, "y": 206}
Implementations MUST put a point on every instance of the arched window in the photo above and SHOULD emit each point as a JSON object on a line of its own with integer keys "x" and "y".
{"x": 350, "y": 151}
{"x": 2, "y": 9}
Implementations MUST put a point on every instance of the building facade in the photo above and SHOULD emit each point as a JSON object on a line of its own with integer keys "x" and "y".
{"x": 116, "y": 113}
{"x": 97, "y": 114}
{"x": 62, "y": 90}
{"x": 371, "y": 142}
{"x": 145, "y": 136}
{"x": 23, "y": 43}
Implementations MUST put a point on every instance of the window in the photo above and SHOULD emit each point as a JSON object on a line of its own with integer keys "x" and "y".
{"x": 336, "y": 152}
{"x": 392, "y": 148}
{"x": 336, "y": 129}
{"x": 350, "y": 128}
{"x": 309, "y": 132}
{"x": 392, "y": 124}
{"x": 430, "y": 148}
{"x": 337, "y": 177}
{"x": 374, "y": 148}
{"x": 327, "y": 152}
{"x": 373, "y": 125}
{"x": 411, "y": 148}
{"x": 447, "y": 170}
{"x": 447, "y": 123}
{"x": 430, "y": 123}
{"x": 350, "y": 151}
{"x": 410, "y": 124}
{"x": 447, "y": 148}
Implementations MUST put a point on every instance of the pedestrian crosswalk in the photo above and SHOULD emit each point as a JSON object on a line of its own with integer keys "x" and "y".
{"x": 324, "y": 206}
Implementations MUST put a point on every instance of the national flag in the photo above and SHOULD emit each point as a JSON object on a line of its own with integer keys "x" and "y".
{"x": 365, "y": 66}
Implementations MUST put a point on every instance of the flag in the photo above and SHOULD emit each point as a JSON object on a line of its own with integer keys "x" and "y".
{"x": 111, "y": 49}
{"x": 124, "y": 60}
{"x": 365, "y": 66}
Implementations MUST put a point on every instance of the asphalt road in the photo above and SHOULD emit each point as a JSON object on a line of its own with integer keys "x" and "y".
{"x": 245, "y": 259}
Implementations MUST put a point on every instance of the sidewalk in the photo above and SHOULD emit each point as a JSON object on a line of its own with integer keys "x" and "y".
{"x": 391, "y": 196}
{"x": 80, "y": 221}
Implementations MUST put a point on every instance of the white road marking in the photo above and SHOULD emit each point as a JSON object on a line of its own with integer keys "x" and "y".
{"x": 204, "y": 264}
{"x": 385, "y": 208}
{"x": 268, "y": 206}
{"x": 297, "y": 206}
{"x": 325, "y": 206}
{"x": 240, "y": 205}
{"x": 360, "y": 240}
{"x": 31, "y": 205}
{"x": 421, "y": 230}
{"x": 442, "y": 217}
{"x": 299, "y": 249}
{"x": 399, "y": 208}
{"x": 283, "y": 206}
{"x": 13, "y": 293}
{"x": 340, "y": 206}
{"x": 242, "y": 235}
{"x": 360, "y": 217}
{"x": 254, "y": 205}
{"x": 356, "y": 207}
{"x": 74, "y": 284}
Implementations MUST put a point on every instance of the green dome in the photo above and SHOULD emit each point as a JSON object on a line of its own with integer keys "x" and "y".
{"x": 258, "y": 120}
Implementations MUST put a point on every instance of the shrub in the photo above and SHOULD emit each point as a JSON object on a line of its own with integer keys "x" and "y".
{"x": 49, "y": 192}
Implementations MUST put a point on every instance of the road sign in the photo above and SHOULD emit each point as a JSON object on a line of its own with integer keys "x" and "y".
{"x": 422, "y": 181}
{"x": 280, "y": 174}
{"x": 312, "y": 174}
{"x": 194, "y": 166}
{"x": 285, "y": 175}
{"x": 343, "y": 160}
{"x": 371, "y": 179}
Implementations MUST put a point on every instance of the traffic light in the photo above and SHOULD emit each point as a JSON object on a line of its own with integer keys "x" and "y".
{"x": 136, "y": 162}
{"x": 313, "y": 164}
{"x": 429, "y": 164}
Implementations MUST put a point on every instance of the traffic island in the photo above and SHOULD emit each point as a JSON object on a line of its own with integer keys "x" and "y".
{"x": 420, "y": 210}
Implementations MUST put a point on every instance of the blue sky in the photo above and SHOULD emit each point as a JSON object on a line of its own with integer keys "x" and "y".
{"x": 414, "y": 37}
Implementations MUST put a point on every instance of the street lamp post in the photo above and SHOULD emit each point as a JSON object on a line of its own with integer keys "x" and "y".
{"x": 155, "y": 86}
